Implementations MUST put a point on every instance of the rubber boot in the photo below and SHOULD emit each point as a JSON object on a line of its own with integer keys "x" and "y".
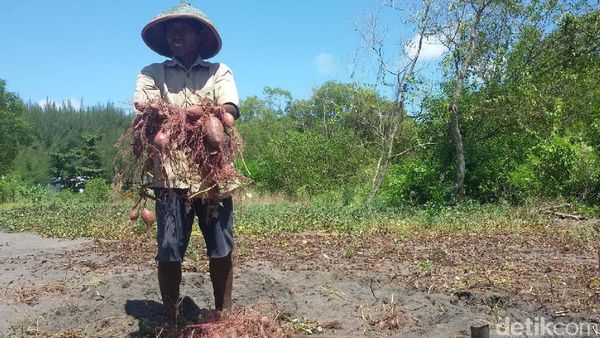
{"x": 221, "y": 276}
{"x": 169, "y": 280}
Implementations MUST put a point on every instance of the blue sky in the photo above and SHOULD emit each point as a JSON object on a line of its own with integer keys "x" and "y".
{"x": 92, "y": 49}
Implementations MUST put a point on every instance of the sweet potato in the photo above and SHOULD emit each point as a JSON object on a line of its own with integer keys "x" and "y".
{"x": 133, "y": 215}
{"x": 228, "y": 120}
{"x": 202, "y": 135}
{"x": 148, "y": 218}
{"x": 213, "y": 129}
{"x": 195, "y": 111}
{"x": 161, "y": 140}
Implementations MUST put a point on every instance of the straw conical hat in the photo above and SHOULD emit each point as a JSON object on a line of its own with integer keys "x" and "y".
{"x": 154, "y": 34}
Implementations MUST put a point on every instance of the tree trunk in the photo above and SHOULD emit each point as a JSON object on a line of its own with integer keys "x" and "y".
{"x": 385, "y": 156}
{"x": 459, "y": 179}
{"x": 402, "y": 78}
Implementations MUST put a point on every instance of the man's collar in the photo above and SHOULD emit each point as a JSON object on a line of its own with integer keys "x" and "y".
{"x": 199, "y": 62}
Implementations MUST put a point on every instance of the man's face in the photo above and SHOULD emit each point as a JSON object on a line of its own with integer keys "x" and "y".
{"x": 183, "y": 37}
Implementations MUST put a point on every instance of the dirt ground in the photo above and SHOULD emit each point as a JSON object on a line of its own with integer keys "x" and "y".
{"x": 376, "y": 284}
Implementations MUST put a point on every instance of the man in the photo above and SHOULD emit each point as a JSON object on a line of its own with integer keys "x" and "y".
{"x": 188, "y": 37}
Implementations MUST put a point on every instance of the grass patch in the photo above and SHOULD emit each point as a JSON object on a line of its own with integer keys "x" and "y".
{"x": 69, "y": 219}
{"x": 264, "y": 219}
{"x": 72, "y": 216}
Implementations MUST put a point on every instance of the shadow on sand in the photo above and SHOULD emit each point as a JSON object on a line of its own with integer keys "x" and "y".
{"x": 151, "y": 315}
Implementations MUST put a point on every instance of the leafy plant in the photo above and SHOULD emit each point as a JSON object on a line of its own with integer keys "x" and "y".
{"x": 415, "y": 181}
{"x": 560, "y": 166}
{"x": 9, "y": 187}
{"x": 96, "y": 189}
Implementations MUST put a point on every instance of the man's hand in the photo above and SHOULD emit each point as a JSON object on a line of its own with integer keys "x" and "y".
{"x": 232, "y": 109}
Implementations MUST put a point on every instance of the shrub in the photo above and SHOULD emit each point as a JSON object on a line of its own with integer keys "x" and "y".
{"x": 559, "y": 166}
{"x": 415, "y": 181}
{"x": 9, "y": 188}
{"x": 96, "y": 189}
{"x": 310, "y": 163}
{"x": 33, "y": 193}
{"x": 523, "y": 183}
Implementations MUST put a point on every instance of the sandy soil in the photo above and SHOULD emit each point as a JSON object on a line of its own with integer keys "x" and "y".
{"x": 374, "y": 285}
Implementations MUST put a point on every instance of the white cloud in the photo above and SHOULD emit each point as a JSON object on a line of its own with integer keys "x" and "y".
{"x": 325, "y": 64}
{"x": 431, "y": 48}
{"x": 43, "y": 103}
{"x": 75, "y": 103}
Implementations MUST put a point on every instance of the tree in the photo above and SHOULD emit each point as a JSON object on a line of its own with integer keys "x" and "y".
{"x": 529, "y": 74}
{"x": 72, "y": 167}
{"x": 460, "y": 30}
{"x": 58, "y": 129}
{"x": 14, "y": 130}
{"x": 478, "y": 35}
{"x": 259, "y": 123}
{"x": 275, "y": 105}
{"x": 392, "y": 116}
{"x": 278, "y": 100}
{"x": 334, "y": 106}
{"x": 89, "y": 163}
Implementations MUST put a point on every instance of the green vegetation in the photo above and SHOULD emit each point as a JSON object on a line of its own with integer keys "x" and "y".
{"x": 99, "y": 214}
{"x": 14, "y": 129}
{"x": 67, "y": 143}
{"x": 530, "y": 129}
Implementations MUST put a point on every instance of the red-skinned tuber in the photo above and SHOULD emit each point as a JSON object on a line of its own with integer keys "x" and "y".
{"x": 213, "y": 128}
{"x": 148, "y": 218}
{"x": 133, "y": 215}
{"x": 161, "y": 141}
{"x": 228, "y": 120}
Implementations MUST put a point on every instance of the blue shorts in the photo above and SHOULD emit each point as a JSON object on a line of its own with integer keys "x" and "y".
{"x": 175, "y": 215}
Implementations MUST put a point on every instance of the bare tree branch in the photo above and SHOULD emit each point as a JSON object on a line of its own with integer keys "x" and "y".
{"x": 403, "y": 77}
{"x": 422, "y": 145}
